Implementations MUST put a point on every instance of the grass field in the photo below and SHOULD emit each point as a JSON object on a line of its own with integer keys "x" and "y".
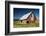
{"x": 19, "y": 25}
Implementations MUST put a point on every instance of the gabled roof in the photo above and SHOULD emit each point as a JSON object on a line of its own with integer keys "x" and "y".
{"x": 25, "y": 16}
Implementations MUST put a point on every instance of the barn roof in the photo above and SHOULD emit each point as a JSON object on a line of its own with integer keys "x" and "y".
{"x": 25, "y": 16}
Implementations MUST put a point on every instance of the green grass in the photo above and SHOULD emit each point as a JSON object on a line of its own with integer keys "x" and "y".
{"x": 18, "y": 25}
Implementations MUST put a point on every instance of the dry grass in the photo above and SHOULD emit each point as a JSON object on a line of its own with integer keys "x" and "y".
{"x": 19, "y": 25}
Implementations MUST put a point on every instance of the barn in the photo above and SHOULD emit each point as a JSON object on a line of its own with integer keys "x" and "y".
{"x": 28, "y": 18}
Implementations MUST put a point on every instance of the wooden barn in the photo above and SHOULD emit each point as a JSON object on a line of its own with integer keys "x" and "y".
{"x": 28, "y": 18}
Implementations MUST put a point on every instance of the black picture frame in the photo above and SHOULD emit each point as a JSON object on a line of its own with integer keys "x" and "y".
{"x": 7, "y": 16}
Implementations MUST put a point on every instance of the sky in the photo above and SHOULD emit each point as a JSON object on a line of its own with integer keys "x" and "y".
{"x": 19, "y": 12}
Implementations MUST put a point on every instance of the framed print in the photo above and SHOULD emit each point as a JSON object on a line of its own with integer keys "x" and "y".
{"x": 24, "y": 17}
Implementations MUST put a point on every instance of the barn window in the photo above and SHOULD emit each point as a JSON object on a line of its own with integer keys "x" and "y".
{"x": 27, "y": 21}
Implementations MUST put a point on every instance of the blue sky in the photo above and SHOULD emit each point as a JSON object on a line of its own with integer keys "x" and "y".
{"x": 19, "y": 12}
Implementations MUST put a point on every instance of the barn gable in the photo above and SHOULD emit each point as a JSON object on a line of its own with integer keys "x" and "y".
{"x": 28, "y": 16}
